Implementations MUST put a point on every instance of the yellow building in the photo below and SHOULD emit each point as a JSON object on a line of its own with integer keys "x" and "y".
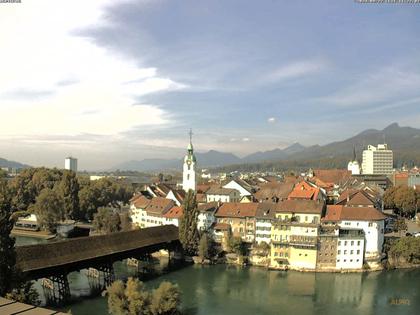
{"x": 294, "y": 234}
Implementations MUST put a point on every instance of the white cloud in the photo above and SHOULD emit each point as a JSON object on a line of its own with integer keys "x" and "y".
{"x": 39, "y": 52}
{"x": 271, "y": 120}
{"x": 245, "y": 139}
{"x": 296, "y": 70}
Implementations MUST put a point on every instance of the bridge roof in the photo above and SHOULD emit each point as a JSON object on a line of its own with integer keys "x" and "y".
{"x": 58, "y": 254}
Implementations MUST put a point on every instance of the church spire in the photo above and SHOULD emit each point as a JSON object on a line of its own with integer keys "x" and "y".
{"x": 354, "y": 153}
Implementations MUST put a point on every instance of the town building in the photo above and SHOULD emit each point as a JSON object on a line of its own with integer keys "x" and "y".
{"x": 368, "y": 221}
{"x": 189, "y": 174}
{"x": 378, "y": 160}
{"x": 263, "y": 221}
{"x": 70, "y": 163}
{"x": 206, "y": 216}
{"x": 146, "y": 212}
{"x": 294, "y": 234}
{"x": 223, "y": 195}
{"x": 244, "y": 188}
{"x": 173, "y": 216}
{"x": 240, "y": 217}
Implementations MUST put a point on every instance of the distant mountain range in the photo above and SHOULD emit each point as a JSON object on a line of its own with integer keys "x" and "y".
{"x": 405, "y": 141}
{"x": 209, "y": 159}
{"x": 11, "y": 164}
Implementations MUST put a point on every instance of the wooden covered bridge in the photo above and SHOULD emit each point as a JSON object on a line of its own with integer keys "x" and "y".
{"x": 54, "y": 261}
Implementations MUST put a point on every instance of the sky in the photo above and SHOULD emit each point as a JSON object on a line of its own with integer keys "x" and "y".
{"x": 112, "y": 81}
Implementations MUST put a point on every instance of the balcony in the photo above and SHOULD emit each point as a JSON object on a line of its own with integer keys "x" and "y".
{"x": 306, "y": 241}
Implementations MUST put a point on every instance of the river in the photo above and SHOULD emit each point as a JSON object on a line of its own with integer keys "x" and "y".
{"x": 220, "y": 290}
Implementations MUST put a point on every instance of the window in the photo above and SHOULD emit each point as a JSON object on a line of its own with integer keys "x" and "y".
{"x": 345, "y": 252}
{"x": 351, "y": 252}
{"x": 358, "y": 242}
{"x": 338, "y": 260}
{"x": 345, "y": 243}
{"x": 370, "y": 224}
{"x": 306, "y": 218}
{"x": 352, "y": 243}
{"x": 188, "y": 176}
{"x": 339, "y": 243}
{"x": 351, "y": 260}
{"x": 339, "y": 252}
{"x": 358, "y": 252}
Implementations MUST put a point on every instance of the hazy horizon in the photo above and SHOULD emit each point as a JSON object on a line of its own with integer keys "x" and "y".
{"x": 109, "y": 82}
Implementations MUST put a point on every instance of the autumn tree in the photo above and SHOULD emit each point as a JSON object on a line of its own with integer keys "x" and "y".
{"x": 49, "y": 209}
{"x": 166, "y": 299}
{"x": 403, "y": 199}
{"x": 106, "y": 221}
{"x": 133, "y": 298}
{"x": 188, "y": 232}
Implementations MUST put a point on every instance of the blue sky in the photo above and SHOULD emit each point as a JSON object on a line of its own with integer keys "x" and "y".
{"x": 245, "y": 75}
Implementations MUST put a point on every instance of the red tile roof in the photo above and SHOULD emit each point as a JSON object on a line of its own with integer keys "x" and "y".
{"x": 351, "y": 197}
{"x": 237, "y": 210}
{"x": 274, "y": 190}
{"x": 159, "y": 205}
{"x": 338, "y": 212}
{"x": 300, "y": 206}
{"x": 304, "y": 190}
{"x": 141, "y": 202}
{"x": 333, "y": 176}
{"x": 174, "y": 213}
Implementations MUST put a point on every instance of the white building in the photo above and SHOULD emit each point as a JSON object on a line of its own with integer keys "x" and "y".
{"x": 189, "y": 175}
{"x": 223, "y": 195}
{"x": 206, "y": 216}
{"x": 70, "y": 163}
{"x": 350, "y": 249}
{"x": 147, "y": 213}
{"x": 243, "y": 188}
{"x": 354, "y": 166}
{"x": 370, "y": 220}
{"x": 263, "y": 221}
{"x": 378, "y": 160}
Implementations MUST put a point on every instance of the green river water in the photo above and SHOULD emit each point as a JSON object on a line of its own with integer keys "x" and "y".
{"x": 220, "y": 289}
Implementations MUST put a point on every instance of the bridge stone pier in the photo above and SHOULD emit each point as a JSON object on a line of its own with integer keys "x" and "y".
{"x": 96, "y": 254}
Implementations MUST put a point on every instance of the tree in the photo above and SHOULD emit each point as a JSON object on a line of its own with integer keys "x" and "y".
{"x": 407, "y": 248}
{"x": 106, "y": 221}
{"x": 188, "y": 232}
{"x": 166, "y": 299}
{"x": 7, "y": 243}
{"x": 129, "y": 299}
{"x": 126, "y": 223}
{"x": 88, "y": 202}
{"x": 206, "y": 246}
{"x": 403, "y": 199}
{"x": 133, "y": 299}
{"x": 400, "y": 225}
{"x": 68, "y": 189}
{"x": 49, "y": 209}
{"x": 237, "y": 245}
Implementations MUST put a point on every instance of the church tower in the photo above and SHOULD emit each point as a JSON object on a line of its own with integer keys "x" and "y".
{"x": 189, "y": 176}
{"x": 353, "y": 165}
